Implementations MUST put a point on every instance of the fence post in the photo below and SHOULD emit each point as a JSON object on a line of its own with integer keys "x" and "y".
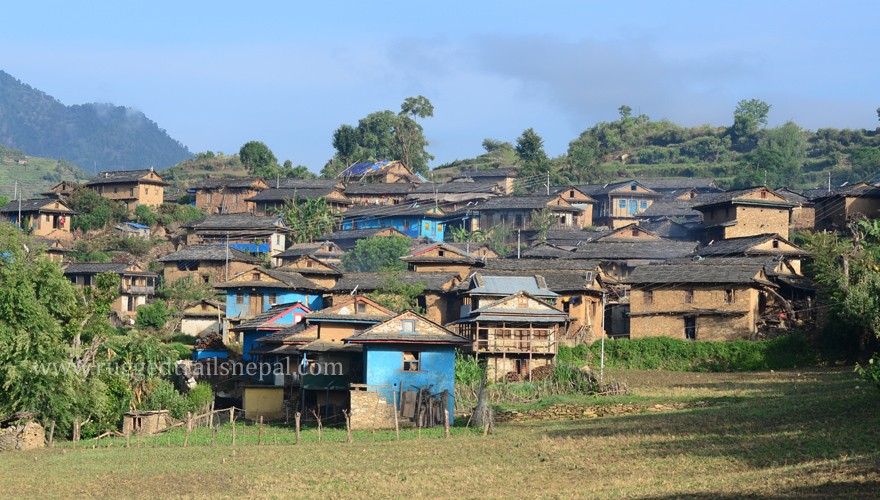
{"x": 232, "y": 419}
{"x": 211, "y": 418}
{"x": 260, "y": 439}
{"x": 446, "y": 421}
{"x": 188, "y": 428}
{"x": 396, "y": 423}
{"x": 52, "y": 435}
{"x": 347, "y": 425}
{"x": 296, "y": 417}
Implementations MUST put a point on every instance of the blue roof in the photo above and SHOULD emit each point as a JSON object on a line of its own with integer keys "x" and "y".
{"x": 364, "y": 167}
{"x": 136, "y": 225}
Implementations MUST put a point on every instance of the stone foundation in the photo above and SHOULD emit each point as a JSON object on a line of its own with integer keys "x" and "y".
{"x": 370, "y": 411}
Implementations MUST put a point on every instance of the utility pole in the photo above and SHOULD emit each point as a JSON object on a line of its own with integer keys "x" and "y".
{"x": 602, "y": 356}
{"x": 548, "y": 183}
{"x": 15, "y": 195}
{"x": 227, "y": 256}
{"x": 518, "y": 235}
{"x": 19, "y": 207}
{"x": 829, "y": 182}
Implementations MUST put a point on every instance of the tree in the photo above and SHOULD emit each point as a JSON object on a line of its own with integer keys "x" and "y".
{"x": 542, "y": 221}
{"x": 258, "y": 159}
{"x": 755, "y": 110}
{"x": 410, "y": 135}
{"x": 789, "y": 141}
{"x": 625, "y": 111}
{"x": 583, "y": 155}
{"x": 153, "y": 316}
{"x": 379, "y": 253}
{"x": 398, "y": 295}
{"x": 308, "y": 219}
{"x": 748, "y": 116}
{"x": 530, "y": 151}
{"x": 297, "y": 172}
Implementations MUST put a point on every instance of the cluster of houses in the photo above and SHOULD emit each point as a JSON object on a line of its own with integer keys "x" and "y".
{"x": 677, "y": 258}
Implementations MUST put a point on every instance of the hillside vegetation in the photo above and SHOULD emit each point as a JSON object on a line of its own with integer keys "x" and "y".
{"x": 94, "y": 136}
{"x": 34, "y": 175}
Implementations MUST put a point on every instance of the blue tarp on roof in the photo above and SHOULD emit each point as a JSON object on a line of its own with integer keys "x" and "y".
{"x": 364, "y": 167}
{"x": 251, "y": 247}
{"x": 136, "y": 225}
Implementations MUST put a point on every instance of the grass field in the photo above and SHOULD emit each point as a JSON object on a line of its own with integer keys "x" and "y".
{"x": 797, "y": 434}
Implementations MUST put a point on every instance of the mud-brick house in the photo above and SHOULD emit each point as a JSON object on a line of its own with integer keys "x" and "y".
{"x": 254, "y": 234}
{"x": 698, "y": 302}
{"x": 515, "y": 334}
{"x": 504, "y": 178}
{"x": 408, "y": 360}
{"x": 225, "y": 196}
{"x": 270, "y": 201}
{"x": 136, "y": 286}
{"x": 518, "y": 210}
{"x": 46, "y": 217}
{"x": 755, "y": 246}
{"x": 681, "y": 187}
{"x": 131, "y": 187}
{"x": 834, "y": 208}
{"x": 803, "y": 213}
{"x": 273, "y": 320}
{"x": 745, "y": 212}
{"x": 378, "y": 193}
{"x": 439, "y": 258}
{"x": 62, "y": 191}
{"x": 378, "y": 172}
{"x": 620, "y": 203}
{"x": 210, "y": 263}
{"x": 455, "y": 195}
{"x": 438, "y": 298}
{"x": 317, "y": 271}
{"x": 414, "y": 220}
{"x": 255, "y": 291}
{"x": 203, "y": 317}
{"x": 324, "y": 251}
{"x": 54, "y": 249}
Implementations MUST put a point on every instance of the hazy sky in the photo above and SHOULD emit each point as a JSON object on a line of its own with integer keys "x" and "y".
{"x": 218, "y": 74}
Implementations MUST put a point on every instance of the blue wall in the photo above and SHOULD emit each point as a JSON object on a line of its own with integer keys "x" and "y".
{"x": 233, "y": 310}
{"x": 384, "y": 366}
{"x": 413, "y": 226}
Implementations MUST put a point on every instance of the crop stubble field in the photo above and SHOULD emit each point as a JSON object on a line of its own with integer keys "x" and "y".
{"x": 798, "y": 434}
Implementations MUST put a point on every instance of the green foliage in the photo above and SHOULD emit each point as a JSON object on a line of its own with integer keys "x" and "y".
{"x": 498, "y": 239}
{"x": 153, "y": 316}
{"x": 377, "y": 254}
{"x": 98, "y": 136}
{"x": 755, "y": 110}
{"x": 530, "y": 150}
{"x": 94, "y": 211}
{"x": 461, "y": 234}
{"x": 145, "y": 215}
{"x": 663, "y": 353}
{"x": 870, "y": 371}
{"x": 183, "y": 291}
{"x": 308, "y": 219}
{"x": 397, "y": 295}
{"x": 135, "y": 245}
{"x": 182, "y": 351}
{"x": 468, "y": 369}
{"x": 542, "y": 221}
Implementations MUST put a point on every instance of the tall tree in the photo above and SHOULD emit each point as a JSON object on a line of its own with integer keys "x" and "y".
{"x": 530, "y": 151}
{"x": 410, "y": 135}
{"x": 258, "y": 159}
{"x": 376, "y": 254}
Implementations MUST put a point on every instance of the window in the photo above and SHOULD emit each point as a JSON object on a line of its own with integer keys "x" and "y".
{"x": 439, "y": 227}
{"x": 273, "y": 298}
{"x": 566, "y": 306}
{"x": 571, "y": 194}
{"x": 441, "y": 253}
{"x": 763, "y": 195}
{"x": 621, "y": 203}
{"x": 633, "y": 188}
{"x": 239, "y": 299}
{"x": 256, "y": 277}
{"x": 206, "y": 279}
{"x": 361, "y": 308}
{"x": 643, "y": 204}
{"x": 635, "y": 233}
{"x": 427, "y": 226}
{"x": 775, "y": 243}
{"x": 411, "y": 361}
{"x": 208, "y": 197}
{"x": 730, "y": 296}
{"x": 407, "y": 326}
{"x": 688, "y": 296}
{"x": 147, "y": 191}
{"x": 649, "y": 297}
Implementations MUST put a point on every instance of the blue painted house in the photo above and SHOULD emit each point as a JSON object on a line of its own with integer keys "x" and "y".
{"x": 255, "y": 291}
{"x": 275, "y": 319}
{"x": 405, "y": 354}
{"x": 415, "y": 220}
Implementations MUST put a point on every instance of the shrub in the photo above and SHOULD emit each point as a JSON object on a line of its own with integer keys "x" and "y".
{"x": 467, "y": 369}
{"x": 181, "y": 351}
{"x": 871, "y": 371}
{"x": 663, "y": 353}
{"x": 154, "y": 315}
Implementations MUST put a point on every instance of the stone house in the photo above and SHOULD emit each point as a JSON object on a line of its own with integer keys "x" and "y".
{"x": 406, "y": 358}
{"x": 803, "y": 213}
{"x": 698, "y": 302}
{"x": 317, "y": 271}
{"x": 47, "y": 217}
{"x": 379, "y": 172}
{"x": 254, "y": 234}
{"x": 256, "y": 290}
{"x": 203, "y": 317}
{"x": 517, "y": 211}
{"x": 324, "y": 251}
{"x": 834, "y": 208}
{"x": 62, "y": 191}
{"x": 438, "y": 299}
{"x": 745, "y": 212}
{"x": 454, "y": 196}
{"x": 270, "y": 201}
{"x": 620, "y": 203}
{"x": 131, "y": 187}
{"x": 504, "y": 177}
{"x": 759, "y": 245}
{"x": 136, "y": 287}
{"x": 209, "y": 263}
{"x": 225, "y": 196}
{"x": 439, "y": 258}
{"x": 378, "y": 193}
{"x": 347, "y": 239}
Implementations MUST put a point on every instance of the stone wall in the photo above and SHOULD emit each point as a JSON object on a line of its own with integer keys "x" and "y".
{"x": 370, "y": 411}
{"x": 751, "y": 221}
{"x": 664, "y": 315}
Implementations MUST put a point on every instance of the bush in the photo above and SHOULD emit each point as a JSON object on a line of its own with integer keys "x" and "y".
{"x": 871, "y": 371}
{"x": 181, "y": 351}
{"x": 163, "y": 396}
{"x": 134, "y": 245}
{"x": 661, "y": 353}
{"x": 153, "y": 316}
{"x": 467, "y": 369}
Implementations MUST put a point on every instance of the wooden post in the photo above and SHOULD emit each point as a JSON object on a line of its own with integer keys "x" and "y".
{"x": 320, "y": 427}
{"x": 188, "y": 428}
{"x": 128, "y": 439}
{"x": 347, "y": 425}
{"x": 211, "y": 418}
{"x": 446, "y": 421}
{"x": 213, "y": 435}
{"x": 52, "y": 435}
{"x": 396, "y": 423}
{"x": 486, "y": 430}
{"x": 232, "y": 419}
{"x": 260, "y": 439}
{"x": 296, "y": 417}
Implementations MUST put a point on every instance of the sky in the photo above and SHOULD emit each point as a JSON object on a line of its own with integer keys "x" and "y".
{"x": 217, "y": 74}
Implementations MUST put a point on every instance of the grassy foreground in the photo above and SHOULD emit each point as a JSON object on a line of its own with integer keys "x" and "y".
{"x": 797, "y": 434}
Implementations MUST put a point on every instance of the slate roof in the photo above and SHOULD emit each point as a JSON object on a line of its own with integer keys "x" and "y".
{"x": 860, "y": 190}
{"x": 280, "y": 195}
{"x": 215, "y": 183}
{"x": 626, "y": 250}
{"x": 421, "y": 209}
{"x": 596, "y": 190}
{"x": 457, "y": 256}
{"x": 347, "y": 239}
{"x": 300, "y": 333}
{"x": 673, "y": 208}
{"x": 503, "y": 285}
{"x": 209, "y": 252}
{"x": 457, "y": 187}
{"x": 535, "y": 202}
{"x": 287, "y": 280}
{"x": 34, "y": 205}
{"x": 709, "y": 199}
{"x": 102, "y": 267}
{"x": 545, "y": 251}
{"x": 692, "y": 273}
{"x": 669, "y": 229}
{"x": 288, "y": 183}
{"x": 434, "y": 282}
{"x": 490, "y": 312}
{"x": 379, "y": 188}
{"x": 556, "y": 280}
{"x": 126, "y": 176}
{"x": 235, "y": 221}
{"x": 434, "y": 334}
{"x": 743, "y": 245}
{"x": 300, "y": 249}
{"x": 793, "y": 196}
{"x": 568, "y": 265}
{"x": 680, "y": 183}
{"x": 487, "y": 173}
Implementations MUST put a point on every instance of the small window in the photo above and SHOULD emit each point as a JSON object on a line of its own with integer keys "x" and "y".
{"x": 439, "y": 227}
{"x": 411, "y": 361}
{"x": 621, "y": 203}
{"x": 649, "y": 297}
{"x": 273, "y": 298}
{"x": 256, "y": 277}
{"x": 361, "y": 307}
{"x": 763, "y": 195}
{"x": 688, "y": 296}
{"x": 408, "y": 326}
{"x": 635, "y": 233}
{"x": 204, "y": 307}
{"x": 147, "y": 191}
{"x": 775, "y": 243}
{"x": 239, "y": 299}
{"x": 643, "y": 204}
{"x": 571, "y": 194}
{"x": 427, "y": 226}
{"x": 730, "y": 296}
{"x": 633, "y": 188}
{"x": 441, "y": 253}
{"x": 206, "y": 279}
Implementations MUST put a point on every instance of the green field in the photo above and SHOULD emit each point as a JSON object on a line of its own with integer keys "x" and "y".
{"x": 796, "y": 434}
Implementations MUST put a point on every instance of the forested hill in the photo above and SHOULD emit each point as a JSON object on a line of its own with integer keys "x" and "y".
{"x": 92, "y": 136}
